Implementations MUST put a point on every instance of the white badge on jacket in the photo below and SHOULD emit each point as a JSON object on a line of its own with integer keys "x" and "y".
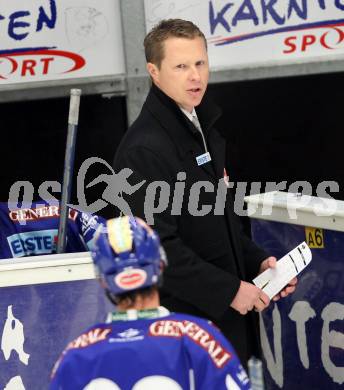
{"x": 203, "y": 158}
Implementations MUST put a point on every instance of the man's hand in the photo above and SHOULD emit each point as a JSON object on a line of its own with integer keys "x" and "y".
{"x": 271, "y": 262}
{"x": 248, "y": 297}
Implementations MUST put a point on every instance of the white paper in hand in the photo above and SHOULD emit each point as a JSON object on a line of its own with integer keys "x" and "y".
{"x": 272, "y": 280}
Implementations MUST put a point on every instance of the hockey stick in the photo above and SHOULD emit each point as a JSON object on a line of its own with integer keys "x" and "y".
{"x": 68, "y": 167}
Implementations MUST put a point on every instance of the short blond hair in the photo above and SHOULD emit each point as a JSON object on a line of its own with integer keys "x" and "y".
{"x": 177, "y": 28}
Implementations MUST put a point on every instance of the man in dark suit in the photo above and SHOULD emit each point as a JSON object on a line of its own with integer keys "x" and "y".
{"x": 173, "y": 145}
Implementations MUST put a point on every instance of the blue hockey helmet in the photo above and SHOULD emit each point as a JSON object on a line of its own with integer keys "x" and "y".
{"x": 128, "y": 255}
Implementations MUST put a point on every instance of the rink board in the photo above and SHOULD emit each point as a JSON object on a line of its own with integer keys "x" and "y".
{"x": 49, "y": 315}
{"x": 303, "y": 334}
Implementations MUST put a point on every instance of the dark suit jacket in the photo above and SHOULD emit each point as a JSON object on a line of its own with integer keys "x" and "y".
{"x": 208, "y": 255}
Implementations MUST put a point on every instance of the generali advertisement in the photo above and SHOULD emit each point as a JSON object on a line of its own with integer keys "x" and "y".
{"x": 59, "y": 39}
{"x": 245, "y": 33}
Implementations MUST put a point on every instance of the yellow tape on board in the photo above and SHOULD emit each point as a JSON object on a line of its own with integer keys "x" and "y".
{"x": 314, "y": 237}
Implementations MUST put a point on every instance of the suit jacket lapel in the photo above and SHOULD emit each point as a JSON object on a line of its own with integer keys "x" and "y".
{"x": 177, "y": 125}
{"x": 207, "y": 167}
{"x": 208, "y": 113}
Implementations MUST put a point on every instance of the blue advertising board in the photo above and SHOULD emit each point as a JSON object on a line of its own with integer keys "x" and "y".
{"x": 38, "y": 321}
{"x": 303, "y": 335}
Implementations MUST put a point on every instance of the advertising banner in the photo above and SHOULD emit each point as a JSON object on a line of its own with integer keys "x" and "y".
{"x": 245, "y": 33}
{"x": 36, "y": 324}
{"x": 45, "y": 40}
{"x": 302, "y": 335}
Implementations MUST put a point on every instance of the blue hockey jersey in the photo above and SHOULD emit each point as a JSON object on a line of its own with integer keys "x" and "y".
{"x": 170, "y": 352}
{"x": 33, "y": 230}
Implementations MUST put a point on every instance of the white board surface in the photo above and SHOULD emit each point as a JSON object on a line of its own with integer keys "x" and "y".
{"x": 249, "y": 33}
{"x": 44, "y": 40}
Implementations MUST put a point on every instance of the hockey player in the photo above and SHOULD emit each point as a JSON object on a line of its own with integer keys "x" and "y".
{"x": 33, "y": 230}
{"x": 142, "y": 346}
